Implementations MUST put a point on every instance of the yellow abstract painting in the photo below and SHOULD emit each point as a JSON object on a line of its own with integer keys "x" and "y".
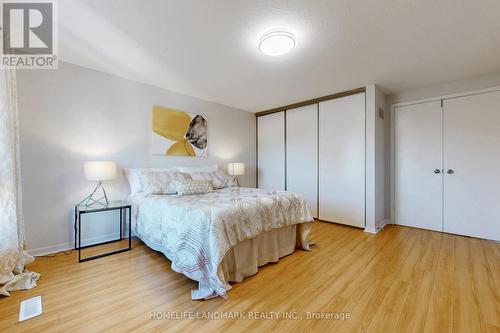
{"x": 178, "y": 133}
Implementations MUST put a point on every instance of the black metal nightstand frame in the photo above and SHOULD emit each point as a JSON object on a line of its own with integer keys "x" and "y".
{"x": 82, "y": 210}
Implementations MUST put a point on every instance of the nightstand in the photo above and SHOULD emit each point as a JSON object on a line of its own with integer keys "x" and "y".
{"x": 125, "y": 213}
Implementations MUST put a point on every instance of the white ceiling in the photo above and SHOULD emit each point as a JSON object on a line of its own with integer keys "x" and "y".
{"x": 208, "y": 48}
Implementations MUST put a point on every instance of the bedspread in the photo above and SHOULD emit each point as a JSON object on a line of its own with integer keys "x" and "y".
{"x": 196, "y": 231}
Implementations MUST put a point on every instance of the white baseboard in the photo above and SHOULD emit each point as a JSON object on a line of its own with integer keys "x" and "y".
{"x": 370, "y": 230}
{"x": 41, "y": 251}
{"x": 380, "y": 226}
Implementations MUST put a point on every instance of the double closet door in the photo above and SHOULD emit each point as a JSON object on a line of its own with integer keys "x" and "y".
{"x": 447, "y": 165}
{"x": 318, "y": 151}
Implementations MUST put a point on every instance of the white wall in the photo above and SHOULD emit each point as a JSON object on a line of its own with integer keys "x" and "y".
{"x": 448, "y": 88}
{"x": 75, "y": 114}
{"x": 381, "y": 214}
{"x": 375, "y": 160}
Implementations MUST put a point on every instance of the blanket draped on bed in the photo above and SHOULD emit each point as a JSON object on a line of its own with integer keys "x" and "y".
{"x": 198, "y": 230}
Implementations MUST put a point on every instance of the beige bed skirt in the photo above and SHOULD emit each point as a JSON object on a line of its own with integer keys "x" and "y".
{"x": 244, "y": 259}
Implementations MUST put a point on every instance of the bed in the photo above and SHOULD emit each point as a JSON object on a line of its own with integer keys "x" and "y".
{"x": 222, "y": 236}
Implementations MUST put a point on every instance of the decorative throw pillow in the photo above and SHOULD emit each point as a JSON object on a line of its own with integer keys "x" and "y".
{"x": 187, "y": 187}
{"x": 218, "y": 178}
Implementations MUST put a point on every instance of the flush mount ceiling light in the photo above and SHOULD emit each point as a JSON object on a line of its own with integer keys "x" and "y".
{"x": 276, "y": 43}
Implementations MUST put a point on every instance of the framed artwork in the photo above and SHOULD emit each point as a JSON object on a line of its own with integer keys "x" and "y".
{"x": 178, "y": 133}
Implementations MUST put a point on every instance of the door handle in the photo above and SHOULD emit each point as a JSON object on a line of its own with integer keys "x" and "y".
{"x": 450, "y": 171}
{"x": 437, "y": 170}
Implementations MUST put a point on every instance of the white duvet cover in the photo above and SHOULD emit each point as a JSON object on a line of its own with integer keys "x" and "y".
{"x": 196, "y": 231}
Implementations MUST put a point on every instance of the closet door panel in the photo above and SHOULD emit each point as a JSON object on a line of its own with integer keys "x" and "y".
{"x": 271, "y": 151}
{"x": 418, "y": 153}
{"x": 302, "y": 154}
{"x": 342, "y": 160}
{"x": 472, "y": 151}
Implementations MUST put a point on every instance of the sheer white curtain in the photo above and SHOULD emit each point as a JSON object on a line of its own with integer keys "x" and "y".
{"x": 13, "y": 275}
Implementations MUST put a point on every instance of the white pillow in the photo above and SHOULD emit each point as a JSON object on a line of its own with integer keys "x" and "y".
{"x": 203, "y": 168}
{"x": 154, "y": 181}
{"x": 218, "y": 178}
{"x": 189, "y": 187}
{"x": 133, "y": 174}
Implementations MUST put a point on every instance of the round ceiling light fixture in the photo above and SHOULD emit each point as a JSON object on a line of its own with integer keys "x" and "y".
{"x": 276, "y": 43}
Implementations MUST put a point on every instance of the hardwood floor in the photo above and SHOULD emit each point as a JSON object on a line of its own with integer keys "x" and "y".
{"x": 399, "y": 280}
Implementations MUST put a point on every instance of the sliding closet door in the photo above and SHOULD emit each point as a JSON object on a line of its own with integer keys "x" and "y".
{"x": 472, "y": 165}
{"x": 271, "y": 151}
{"x": 418, "y": 177}
{"x": 302, "y": 154}
{"x": 342, "y": 160}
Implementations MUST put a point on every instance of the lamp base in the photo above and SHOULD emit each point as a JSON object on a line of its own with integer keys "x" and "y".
{"x": 96, "y": 198}
{"x": 237, "y": 181}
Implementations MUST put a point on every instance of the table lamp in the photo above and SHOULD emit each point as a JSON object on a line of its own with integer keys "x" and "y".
{"x": 98, "y": 171}
{"x": 236, "y": 169}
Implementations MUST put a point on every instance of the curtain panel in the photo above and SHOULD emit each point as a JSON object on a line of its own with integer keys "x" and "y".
{"x": 13, "y": 257}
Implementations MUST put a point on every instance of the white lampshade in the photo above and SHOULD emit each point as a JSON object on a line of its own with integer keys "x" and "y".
{"x": 99, "y": 170}
{"x": 236, "y": 169}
